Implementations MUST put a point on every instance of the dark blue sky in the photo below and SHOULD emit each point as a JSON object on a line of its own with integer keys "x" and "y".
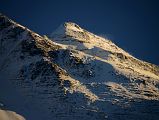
{"x": 132, "y": 24}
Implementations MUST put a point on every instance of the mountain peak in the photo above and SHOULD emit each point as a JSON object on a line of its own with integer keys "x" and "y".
{"x": 72, "y": 26}
{"x": 67, "y": 29}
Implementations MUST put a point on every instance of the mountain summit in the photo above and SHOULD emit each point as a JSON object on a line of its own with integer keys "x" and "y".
{"x": 70, "y": 29}
{"x": 73, "y": 74}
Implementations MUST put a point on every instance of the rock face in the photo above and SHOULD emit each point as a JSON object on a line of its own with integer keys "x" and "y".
{"x": 74, "y": 74}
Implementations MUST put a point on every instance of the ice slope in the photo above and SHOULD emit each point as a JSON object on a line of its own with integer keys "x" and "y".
{"x": 73, "y": 75}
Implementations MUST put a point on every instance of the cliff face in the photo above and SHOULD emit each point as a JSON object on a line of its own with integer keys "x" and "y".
{"x": 74, "y": 74}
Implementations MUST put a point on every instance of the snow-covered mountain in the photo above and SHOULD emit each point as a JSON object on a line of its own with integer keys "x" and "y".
{"x": 73, "y": 74}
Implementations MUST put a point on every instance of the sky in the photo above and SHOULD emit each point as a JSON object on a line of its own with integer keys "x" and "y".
{"x": 132, "y": 24}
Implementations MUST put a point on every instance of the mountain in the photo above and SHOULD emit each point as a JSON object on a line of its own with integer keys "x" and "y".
{"x": 73, "y": 74}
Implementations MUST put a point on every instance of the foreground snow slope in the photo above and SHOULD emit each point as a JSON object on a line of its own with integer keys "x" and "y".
{"x": 74, "y": 74}
{"x": 9, "y": 115}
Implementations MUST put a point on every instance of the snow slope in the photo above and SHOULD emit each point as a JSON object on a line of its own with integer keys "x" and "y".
{"x": 9, "y": 115}
{"x": 73, "y": 74}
